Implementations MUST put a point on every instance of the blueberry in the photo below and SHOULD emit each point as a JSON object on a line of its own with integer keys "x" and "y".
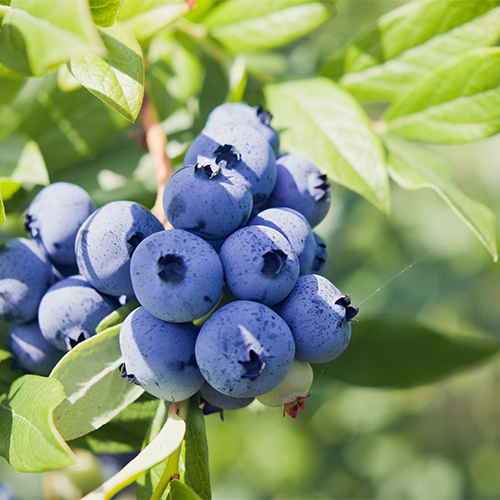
{"x": 320, "y": 261}
{"x": 214, "y": 401}
{"x": 319, "y": 316}
{"x": 176, "y": 276}
{"x": 301, "y": 185}
{"x": 241, "y": 152}
{"x": 295, "y": 228}
{"x": 54, "y": 217}
{"x": 33, "y": 353}
{"x": 205, "y": 202}
{"x": 244, "y": 349}
{"x": 259, "y": 264}
{"x": 106, "y": 241}
{"x": 253, "y": 116}
{"x": 159, "y": 356}
{"x": 25, "y": 275}
{"x": 70, "y": 311}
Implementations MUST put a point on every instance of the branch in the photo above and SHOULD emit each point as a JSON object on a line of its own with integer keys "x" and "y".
{"x": 157, "y": 142}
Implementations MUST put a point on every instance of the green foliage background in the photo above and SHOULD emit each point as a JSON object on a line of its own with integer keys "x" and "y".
{"x": 411, "y": 409}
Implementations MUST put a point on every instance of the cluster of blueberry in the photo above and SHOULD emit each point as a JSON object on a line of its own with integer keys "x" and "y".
{"x": 242, "y": 218}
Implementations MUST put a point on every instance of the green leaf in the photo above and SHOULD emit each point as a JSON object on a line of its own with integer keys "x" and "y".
{"x": 407, "y": 43}
{"x": 104, "y": 12}
{"x": 147, "y": 483}
{"x": 29, "y": 439}
{"x": 267, "y": 24}
{"x": 459, "y": 102}
{"x": 166, "y": 443}
{"x": 2, "y": 208}
{"x": 95, "y": 391}
{"x": 21, "y": 163}
{"x": 197, "y": 474}
{"x": 323, "y": 122}
{"x": 148, "y": 17}
{"x": 402, "y": 353}
{"x": 7, "y": 374}
{"x": 117, "y": 316}
{"x": 59, "y": 121}
{"x": 180, "y": 491}
{"x": 117, "y": 80}
{"x": 38, "y": 36}
{"x": 124, "y": 433}
{"x": 414, "y": 168}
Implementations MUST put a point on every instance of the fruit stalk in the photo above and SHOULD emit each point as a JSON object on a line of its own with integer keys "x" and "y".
{"x": 156, "y": 141}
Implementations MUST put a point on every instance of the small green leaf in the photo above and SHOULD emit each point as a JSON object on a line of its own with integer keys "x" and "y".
{"x": 95, "y": 391}
{"x": 407, "y": 43}
{"x": 104, "y": 12}
{"x": 166, "y": 443}
{"x": 267, "y": 24}
{"x": 402, "y": 353}
{"x": 180, "y": 491}
{"x": 21, "y": 163}
{"x": 117, "y": 80}
{"x": 323, "y": 122}
{"x": 197, "y": 474}
{"x": 5, "y": 355}
{"x": 29, "y": 439}
{"x": 124, "y": 433}
{"x": 117, "y": 316}
{"x": 414, "y": 168}
{"x": 148, "y": 17}
{"x": 459, "y": 102}
{"x": 38, "y": 36}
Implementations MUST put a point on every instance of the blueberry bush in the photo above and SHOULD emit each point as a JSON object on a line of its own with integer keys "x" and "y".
{"x": 123, "y": 99}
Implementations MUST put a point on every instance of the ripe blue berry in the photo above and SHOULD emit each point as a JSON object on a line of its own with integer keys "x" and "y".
{"x": 241, "y": 152}
{"x": 259, "y": 264}
{"x": 176, "y": 276}
{"x": 25, "y": 275}
{"x": 159, "y": 356}
{"x": 54, "y": 217}
{"x": 214, "y": 401}
{"x": 319, "y": 317}
{"x": 33, "y": 353}
{"x": 106, "y": 241}
{"x": 71, "y": 310}
{"x": 244, "y": 349}
{"x": 205, "y": 202}
{"x": 301, "y": 185}
{"x": 295, "y": 228}
{"x": 253, "y": 116}
{"x": 320, "y": 261}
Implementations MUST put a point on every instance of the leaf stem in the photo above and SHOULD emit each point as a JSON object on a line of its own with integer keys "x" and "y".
{"x": 3, "y": 10}
{"x": 172, "y": 466}
{"x": 157, "y": 142}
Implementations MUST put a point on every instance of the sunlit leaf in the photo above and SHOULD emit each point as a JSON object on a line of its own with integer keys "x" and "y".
{"x": 38, "y": 36}
{"x": 180, "y": 491}
{"x": 165, "y": 443}
{"x": 408, "y": 43}
{"x": 414, "y": 168}
{"x": 21, "y": 163}
{"x": 321, "y": 121}
{"x": 148, "y": 17}
{"x": 29, "y": 440}
{"x": 104, "y": 12}
{"x": 402, "y": 353}
{"x": 117, "y": 316}
{"x": 95, "y": 391}
{"x": 267, "y": 24}
{"x": 459, "y": 102}
{"x": 117, "y": 80}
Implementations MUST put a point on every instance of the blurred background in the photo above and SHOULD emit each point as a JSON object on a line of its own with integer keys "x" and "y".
{"x": 438, "y": 438}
